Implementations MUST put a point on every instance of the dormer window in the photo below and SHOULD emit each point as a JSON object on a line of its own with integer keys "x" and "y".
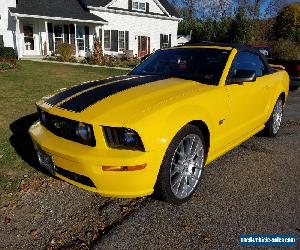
{"x": 139, "y": 5}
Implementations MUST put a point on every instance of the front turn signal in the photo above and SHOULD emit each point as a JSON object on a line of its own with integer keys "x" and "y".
{"x": 124, "y": 168}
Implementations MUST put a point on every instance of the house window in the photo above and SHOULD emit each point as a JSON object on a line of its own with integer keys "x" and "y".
{"x": 107, "y": 39}
{"x": 165, "y": 41}
{"x": 121, "y": 40}
{"x": 115, "y": 40}
{"x": 80, "y": 37}
{"x": 141, "y": 6}
{"x": 59, "y": 36}
{"x": 100, "y": 36}
{"x": 135, "y": 5}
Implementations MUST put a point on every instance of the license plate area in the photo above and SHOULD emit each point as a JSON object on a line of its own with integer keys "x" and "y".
{"x": 45, "y": 160}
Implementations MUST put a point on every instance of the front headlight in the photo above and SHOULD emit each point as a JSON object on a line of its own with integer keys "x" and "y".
{"x": 123, "y": 138}
{"x": 84, "y": 133}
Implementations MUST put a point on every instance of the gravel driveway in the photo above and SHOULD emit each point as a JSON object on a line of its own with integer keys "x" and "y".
{"x": 253, "y": 189}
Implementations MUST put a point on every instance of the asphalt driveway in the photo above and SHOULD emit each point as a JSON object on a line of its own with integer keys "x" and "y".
{"x": 253, "y": 189}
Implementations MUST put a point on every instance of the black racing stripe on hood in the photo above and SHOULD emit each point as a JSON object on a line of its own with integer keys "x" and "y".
{"x": 88, "y": 98}
{"x": 77, "y": 89}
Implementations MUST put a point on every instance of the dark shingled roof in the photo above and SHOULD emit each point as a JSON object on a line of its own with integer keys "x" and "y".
{"x": 55, "y": 8}
{"x": 165, "y": 3}
{"x": 97, "y": 3}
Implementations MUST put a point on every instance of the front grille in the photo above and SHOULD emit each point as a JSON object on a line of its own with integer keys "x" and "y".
{"x": 63, "y": 127}
{"x": 75, "y": 177}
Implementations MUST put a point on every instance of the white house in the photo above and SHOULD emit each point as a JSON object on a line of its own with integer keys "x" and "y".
{"x": 38, "y": 27}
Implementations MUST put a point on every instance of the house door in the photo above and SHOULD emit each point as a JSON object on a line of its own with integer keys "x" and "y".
{"x": 31, "y": 39}
{"x": 143, "y": 46}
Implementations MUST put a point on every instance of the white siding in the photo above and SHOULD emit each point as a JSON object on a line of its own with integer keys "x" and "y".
{"x": 140, "y": 26}
{"x": 7, "y": 23}
{"x": 150, "y": 26}
{"x": 153, "y": 7}
{"x": 119, "y": 4}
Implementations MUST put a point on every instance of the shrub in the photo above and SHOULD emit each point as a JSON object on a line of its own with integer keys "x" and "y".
{"x": 5, "y": 66}
{"x": 8, "y": 52}
{"x": 50, "y": 58}
{"x": 73, "y": 59}
{"x": 7, "y": 63}
{"x": 125, "y": 63}
{"x": 97, "y": 56}
{"x": 286, "y": 49}
{"x": 111, "y": 61}
{"x": 59, "y": 58}
{"x": 66, "y": 52}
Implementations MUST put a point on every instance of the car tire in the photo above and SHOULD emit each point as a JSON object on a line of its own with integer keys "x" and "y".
{"x": 273, "y": 124}
{"x": 182, "y": 166}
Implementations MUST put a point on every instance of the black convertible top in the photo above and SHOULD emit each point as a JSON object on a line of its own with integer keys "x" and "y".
{"x": 238, "y": 47}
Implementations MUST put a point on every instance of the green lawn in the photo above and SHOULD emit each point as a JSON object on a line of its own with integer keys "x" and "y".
{"x": 19, "y": 90}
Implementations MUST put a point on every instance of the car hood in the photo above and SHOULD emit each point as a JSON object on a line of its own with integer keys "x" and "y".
{"x": 115, "y": 100}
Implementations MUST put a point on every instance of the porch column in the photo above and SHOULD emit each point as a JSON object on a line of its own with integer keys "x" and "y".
{"x": 95, "y": 35}
{"x": 18, "y": 38}
{"x": 47, "y": 37}
{"x": 76, "y": 47}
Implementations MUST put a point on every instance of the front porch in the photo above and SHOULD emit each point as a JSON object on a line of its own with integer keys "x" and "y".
{"x": 40, "y": 37}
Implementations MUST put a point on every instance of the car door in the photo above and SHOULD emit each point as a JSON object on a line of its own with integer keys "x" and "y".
{"x": 248, "y": 100}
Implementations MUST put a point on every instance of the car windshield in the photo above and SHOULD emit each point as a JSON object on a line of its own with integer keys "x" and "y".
{"x": 203, "y": 65}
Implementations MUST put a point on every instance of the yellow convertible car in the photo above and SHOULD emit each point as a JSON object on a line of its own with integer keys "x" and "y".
{"x": 157, "y": 127}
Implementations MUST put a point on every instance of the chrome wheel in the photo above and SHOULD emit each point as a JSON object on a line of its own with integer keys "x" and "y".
{"x": 186, "y": 166}
{"x": 277, "y": 116}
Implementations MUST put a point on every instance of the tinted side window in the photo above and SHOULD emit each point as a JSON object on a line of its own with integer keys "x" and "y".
{"x": 249, "y": 61}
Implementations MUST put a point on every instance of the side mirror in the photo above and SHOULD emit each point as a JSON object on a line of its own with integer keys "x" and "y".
{"x": 243, "y": 76}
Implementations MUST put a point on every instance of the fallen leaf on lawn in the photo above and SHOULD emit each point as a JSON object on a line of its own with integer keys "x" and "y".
{"x": 25, "y": 187}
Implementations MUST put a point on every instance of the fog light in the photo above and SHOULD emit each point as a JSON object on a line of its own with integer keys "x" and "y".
{"x": 124, "y": 168}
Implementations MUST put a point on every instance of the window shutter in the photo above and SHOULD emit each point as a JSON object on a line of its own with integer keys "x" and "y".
{"x": 66, "y": 33}
{"x": 170, "y": 40}
{"x": 149, "y": 46}
{"x": 126, "y": 40}
{"x": 130, "y": 4}
{"x": 147, "y": 7}
{"x": 161, "y": 40}
{"x": 100, "y": 35}
{"x": 1, "y": 41}
{"x": 72, "y": 34}
{"x": 114, "y": 40}
{"x": 87, "y": 38}
{"x": 139, "y": 46}
{"x": 50, "y": 36}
